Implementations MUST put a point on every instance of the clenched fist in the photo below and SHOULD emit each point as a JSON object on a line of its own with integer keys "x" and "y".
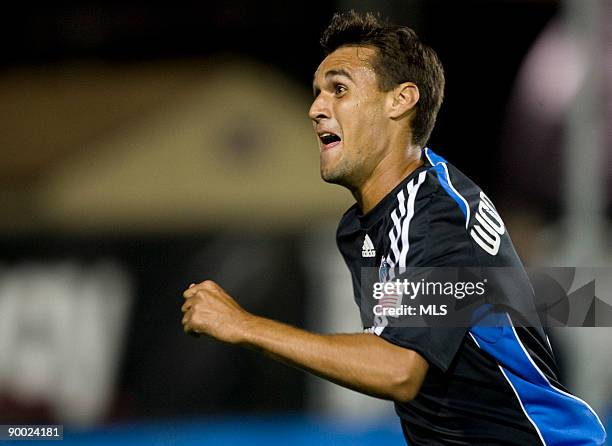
{"x": 209, "y": 310}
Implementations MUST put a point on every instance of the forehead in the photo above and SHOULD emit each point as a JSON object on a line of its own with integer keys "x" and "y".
{"x": 348, "y": 58}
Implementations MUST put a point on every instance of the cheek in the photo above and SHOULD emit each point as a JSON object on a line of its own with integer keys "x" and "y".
{"x": 359, "y": 122}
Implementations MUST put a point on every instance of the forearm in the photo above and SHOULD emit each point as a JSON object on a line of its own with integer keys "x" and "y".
{"x": 362, "y": 362}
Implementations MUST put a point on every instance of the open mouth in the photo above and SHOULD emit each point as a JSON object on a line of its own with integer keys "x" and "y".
{"x": 329, "y": 140}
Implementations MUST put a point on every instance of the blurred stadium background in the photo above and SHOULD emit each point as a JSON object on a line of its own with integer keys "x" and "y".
{"x": 147, "y": 146}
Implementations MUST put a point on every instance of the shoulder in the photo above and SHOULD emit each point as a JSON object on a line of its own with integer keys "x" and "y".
{"x": 454, "y": 186}
{"x": 439, "y": 193}
{"x": 427, "y": 227}
{"x": 431, "y": 218}
{"x": 461, "y": 206}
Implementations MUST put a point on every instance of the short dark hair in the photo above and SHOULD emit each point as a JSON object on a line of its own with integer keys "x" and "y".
{"x": 400, "y": 57}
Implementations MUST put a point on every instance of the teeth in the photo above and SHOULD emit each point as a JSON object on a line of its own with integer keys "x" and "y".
{"x": 328, "y": 138}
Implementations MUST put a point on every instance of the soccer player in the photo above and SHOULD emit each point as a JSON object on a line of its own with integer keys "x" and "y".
{"x": 376, "y": 97}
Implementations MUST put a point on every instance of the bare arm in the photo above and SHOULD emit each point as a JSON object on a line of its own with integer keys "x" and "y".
{"x": 362, "y": 362}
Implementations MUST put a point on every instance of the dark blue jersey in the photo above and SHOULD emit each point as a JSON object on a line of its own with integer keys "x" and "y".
{"x": 485, "y": 385}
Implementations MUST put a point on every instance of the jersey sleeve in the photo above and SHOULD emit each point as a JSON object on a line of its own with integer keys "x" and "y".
{"x": 445, "y": 244}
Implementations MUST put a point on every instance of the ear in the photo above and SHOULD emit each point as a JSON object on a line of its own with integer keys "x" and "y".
{"x": 402, "y": 100}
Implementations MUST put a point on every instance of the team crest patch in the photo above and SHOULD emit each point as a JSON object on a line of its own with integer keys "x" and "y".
{"x": 383, "y": 270}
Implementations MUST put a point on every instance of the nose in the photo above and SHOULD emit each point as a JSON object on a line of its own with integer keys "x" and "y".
{"x": 319, "y": 109}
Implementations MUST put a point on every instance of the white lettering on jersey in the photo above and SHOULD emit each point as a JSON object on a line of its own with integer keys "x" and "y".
{"x": 490, "y": 227}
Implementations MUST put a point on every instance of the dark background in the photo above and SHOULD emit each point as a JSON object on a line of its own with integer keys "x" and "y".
{"x": 481, "y": 45}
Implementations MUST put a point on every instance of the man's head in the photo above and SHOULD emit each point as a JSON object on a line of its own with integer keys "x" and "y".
{"x": 376, "y": 79}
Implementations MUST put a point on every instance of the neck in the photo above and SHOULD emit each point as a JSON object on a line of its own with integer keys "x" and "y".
{"x": 385, "y": 177}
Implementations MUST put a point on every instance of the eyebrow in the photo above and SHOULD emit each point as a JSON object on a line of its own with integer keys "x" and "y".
{"x": 332, "y": 73}
{"x": 338, "y": 72}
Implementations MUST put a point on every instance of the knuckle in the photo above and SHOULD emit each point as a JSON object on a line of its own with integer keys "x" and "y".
{"x": 209, "y": 284}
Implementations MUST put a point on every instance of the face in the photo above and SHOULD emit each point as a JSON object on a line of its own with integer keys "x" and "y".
{"x": 348, "y": 116}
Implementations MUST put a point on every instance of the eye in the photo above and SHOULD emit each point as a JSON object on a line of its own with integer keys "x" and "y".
{"x": 339, "y": 89}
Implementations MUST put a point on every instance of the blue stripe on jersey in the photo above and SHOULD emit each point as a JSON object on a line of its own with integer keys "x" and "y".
{"x": 439, "y": 165}
{"x": 559, "y": 418}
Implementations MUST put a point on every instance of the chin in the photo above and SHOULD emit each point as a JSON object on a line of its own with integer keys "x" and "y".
{"x": 332, "y": 180}
{"x": 335, "y": 177}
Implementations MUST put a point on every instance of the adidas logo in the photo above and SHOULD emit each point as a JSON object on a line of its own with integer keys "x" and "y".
{"x": 367, "y": 250}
